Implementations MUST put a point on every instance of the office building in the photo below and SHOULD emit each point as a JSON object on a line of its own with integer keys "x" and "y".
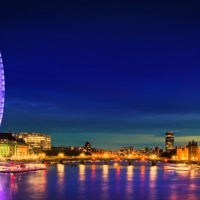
{"x": 169, "y": 141}
{"x": 35, "y": 141}
{"x": 126, "y": 150}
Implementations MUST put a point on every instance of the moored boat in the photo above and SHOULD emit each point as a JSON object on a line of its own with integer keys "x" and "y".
{"x": 21, "y": 168}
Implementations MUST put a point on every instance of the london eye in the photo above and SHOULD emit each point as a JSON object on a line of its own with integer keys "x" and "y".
{"x": 2, "y": 89}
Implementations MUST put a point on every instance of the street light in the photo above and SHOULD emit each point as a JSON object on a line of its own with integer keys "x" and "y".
{"x": 153, "y": 156}
{"x": 61, "y": 155}
{"x": 130, "y": 159}
{"x": 82, "y": 156}
{"x": 105, "y": 160}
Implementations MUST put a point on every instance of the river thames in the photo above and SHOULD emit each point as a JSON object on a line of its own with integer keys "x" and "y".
{"x": 93, "y": 181}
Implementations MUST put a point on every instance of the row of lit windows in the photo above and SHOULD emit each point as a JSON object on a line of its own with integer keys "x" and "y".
{"x": 193, "y": 149}
{"x": 4, "y": 147}
{"x": 36, "y": 138}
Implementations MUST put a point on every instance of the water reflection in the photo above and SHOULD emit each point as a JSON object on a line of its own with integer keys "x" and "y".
{"x": 3, "y": 195}
{"x": 61, "y": 174}
{"x": 60, "y": 168}
{"x": 101, "y": 182}
{"x": 1, "y": 187}
{"x": 153, "y": 175}
{"x": 117, "y": 170}
{"x": 105, "y": 185}
{"x": 183, "y": 173}
{"x": 165, "y": 174}
{"x": 13, "y": 184}
{"x": 24, "y": 183}
{"x": 142, "y": 183}
{"x": 93, "y": 171}
{"x": 152, "y": 182}
{"x": 105, "y": 172}
{"x": 117, "y": 177}
{"x": 81, "y": 172}
{"x": 41, "y": 181}
{"x": 142, "y": 173}
{"x": 193, "y": 173}
{"x": 129, "y": 175}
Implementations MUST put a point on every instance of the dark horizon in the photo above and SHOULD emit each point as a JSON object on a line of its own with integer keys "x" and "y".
{"x": 110, "y": 72}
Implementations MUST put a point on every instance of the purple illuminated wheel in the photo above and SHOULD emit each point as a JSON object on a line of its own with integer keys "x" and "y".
{"x": 2, "y": 89}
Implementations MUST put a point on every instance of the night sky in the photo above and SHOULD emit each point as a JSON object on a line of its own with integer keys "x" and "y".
{"x": 115, "y": 73}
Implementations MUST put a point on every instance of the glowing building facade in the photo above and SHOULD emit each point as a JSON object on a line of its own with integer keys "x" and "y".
{"x": 35, "y": 140}
{"x": 190, "y": 152}
{"x": 2, "y": 89}
{"x": 10, "y": 146}
{"x": 169, "y": 141}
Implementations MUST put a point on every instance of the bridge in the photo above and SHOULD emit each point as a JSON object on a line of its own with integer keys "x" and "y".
{"x": 82, "y": 159}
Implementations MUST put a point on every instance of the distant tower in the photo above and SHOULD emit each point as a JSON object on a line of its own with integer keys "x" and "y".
{"x": 169, "y": 141}
{"x": 193, "y": 151}
{"x": 88, "y": 146}
{"x": 2, "y": 89}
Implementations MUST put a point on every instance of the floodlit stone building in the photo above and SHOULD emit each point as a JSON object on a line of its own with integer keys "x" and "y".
{"x": 11, "y": 146}
{"x": 190, "y": 152}
{"x": 35, "y": 140}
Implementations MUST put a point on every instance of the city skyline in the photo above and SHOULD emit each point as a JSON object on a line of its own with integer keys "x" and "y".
{"x": 108, "y": 72}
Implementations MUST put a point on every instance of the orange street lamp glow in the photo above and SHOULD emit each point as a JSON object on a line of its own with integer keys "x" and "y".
{"x": 82, "y": 155}
{"x": 153, "y": 156}
{"x": 60, "y": 154}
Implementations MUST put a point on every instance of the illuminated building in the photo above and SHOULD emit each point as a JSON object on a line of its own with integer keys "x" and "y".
{"x": 190, "y": 152}
{"x": 10, "y": 146}
{"x": 35, "y": 140}
{"x": 2, "y": 89}
{"x": 88, "y": 146}
{"x": 126, "y": 150}
{"x": 158, "y": 150}
{"x": 182, "y": 152}
{"x": 169, "y": 141}
{"x": 193, "y": 150}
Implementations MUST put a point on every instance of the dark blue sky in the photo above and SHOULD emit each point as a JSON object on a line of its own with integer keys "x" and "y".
{"x": 115, "y": 73}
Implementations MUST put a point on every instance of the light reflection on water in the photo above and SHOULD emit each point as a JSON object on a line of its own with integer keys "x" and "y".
{"x": 130, "y": 177}
{"x": 141, "y": 188}
{"x": 117, "y": 166}
{"x": 129, "y": 173}
{"x": 105, "y": 172}
{"x": 81, "y": 172}
{"x": 93, "y": 175}
{"x": 153, "y": 174}
{"x": 117, "y": 177}
{"x": 101, "y": 182}
{"x": 38, "y": 186}
{"x": 61, "y": 176}
{"x": 104, "y": 185}
{"x": 152, "y": 185}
